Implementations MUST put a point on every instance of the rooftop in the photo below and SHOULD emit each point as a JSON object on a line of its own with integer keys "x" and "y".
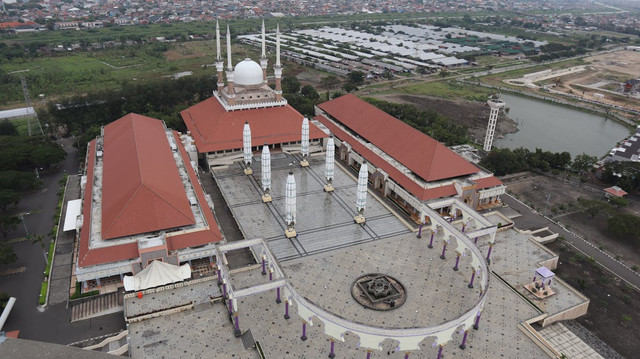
{"x": 426, "y": 157}
{"x": 216, "y": 129}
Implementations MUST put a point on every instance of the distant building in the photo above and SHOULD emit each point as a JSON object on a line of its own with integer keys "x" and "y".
{"x": 141, "y": 201}
{"x": 627, "y": 151}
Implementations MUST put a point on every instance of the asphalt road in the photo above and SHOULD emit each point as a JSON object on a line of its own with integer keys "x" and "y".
{"x": 52, "y": 323}
{"x": 531, "y": 219}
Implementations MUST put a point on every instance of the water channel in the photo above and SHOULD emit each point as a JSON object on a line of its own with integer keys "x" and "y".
{"x": 558, "y": 128}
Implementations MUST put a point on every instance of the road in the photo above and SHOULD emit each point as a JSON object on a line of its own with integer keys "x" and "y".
{"x": 52, "y": 323}
{"x": 531, "y": 219}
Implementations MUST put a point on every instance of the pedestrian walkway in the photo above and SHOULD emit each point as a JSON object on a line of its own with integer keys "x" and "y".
{"x": 96, "y": 306}
{"x": 564, "y": 341}
{"x": 60, "y": 284}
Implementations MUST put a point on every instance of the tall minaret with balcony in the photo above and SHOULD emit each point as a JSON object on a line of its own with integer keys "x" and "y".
{"x": 263, "y": 57}
{"x": 231, "y": 97}
{"x": 219, "y": 62}
{"x": 278, "y": 67}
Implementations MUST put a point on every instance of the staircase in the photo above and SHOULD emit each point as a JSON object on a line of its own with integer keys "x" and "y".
{"x": 96, "y": 306}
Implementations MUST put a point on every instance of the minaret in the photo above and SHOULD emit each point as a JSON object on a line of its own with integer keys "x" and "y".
{"x": 361, "y": 194}
{"x": 304, "y": 143}
{"x": 329, "y": 159}
{"x": 495, "y": 105}
{"x": 278, "y": 67}
{"x": 290, "y": 205}
{"x": 246, "y": 145}
{"x": 266, "y": 173}
{"x": 219, "y": 62}
{"x": 230, "y": 92}
{"x": 263, "y": 57}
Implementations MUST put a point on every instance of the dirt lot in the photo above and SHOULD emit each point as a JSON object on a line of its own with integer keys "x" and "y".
{"x": 605, "y": 71}
{"x": 471, "y": 114}
{"x": 562, "y": 206}
{"x": 614, "y": 310}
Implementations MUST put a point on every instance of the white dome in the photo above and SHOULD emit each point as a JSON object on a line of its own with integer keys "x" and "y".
{"x": 248, "y": 72}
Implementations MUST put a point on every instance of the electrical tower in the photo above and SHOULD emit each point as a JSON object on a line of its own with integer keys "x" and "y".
{"x": 27, "y": 99}
{"x": 495, "y": 105}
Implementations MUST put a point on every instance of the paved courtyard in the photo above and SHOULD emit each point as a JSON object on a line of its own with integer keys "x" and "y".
{"x": 324, "y": 220}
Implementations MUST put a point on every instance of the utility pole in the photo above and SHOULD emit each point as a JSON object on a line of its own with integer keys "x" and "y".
{"x": 27, "y": 99}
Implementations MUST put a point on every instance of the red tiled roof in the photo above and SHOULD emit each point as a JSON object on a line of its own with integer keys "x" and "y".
{"x": 141, "y": 186}
{"x": 487, "y": 182}
{"x": 214, "y": 128}
{"x": 616, "y": 191}
{"x": 426, "y": 157}
{"x": 88, "y": 257}
{"x": 177, "y": 240}
{"x": 399, "y": 177}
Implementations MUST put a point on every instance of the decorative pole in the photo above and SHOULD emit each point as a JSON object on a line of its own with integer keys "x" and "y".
{"x": 304, "y": 331}
{"x": 464, "y": 340}
{"x": 489, "y": 253}
{"x": 433, "y": 232}
{"x": 236, "y": 331}
{"x": 246, "y": 145}
{"x": 290, "y": 203}
{"x": 476, "y": 325}
{"x": 266, "y": 173}
{"x": 278, "y": 300}
{"x": 264, "y": 264}
{"x": 361, "y": 195}
{"x": 286, "y": 309}
{"x": 473, "y": 276}
{"x": 444, "y": 249}
{"x": 330, "y": 161}
{"x": 304, "y": 143}
{"x": 455, "y": 268}
{"x": 331, "y": 352}
{"x": 440, "y": 351}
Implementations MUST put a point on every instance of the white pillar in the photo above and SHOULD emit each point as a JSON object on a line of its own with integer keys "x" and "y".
{"x": 304, "y": 143}
{"x": 361, "y": 195}
{"x": 266, "y": 173}
{"x": 329, "y": 160}
{"x": 246, "y": 146}
{"x": 290, "y": 205}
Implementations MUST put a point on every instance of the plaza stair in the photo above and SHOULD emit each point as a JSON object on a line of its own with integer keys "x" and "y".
{"x": 96, "y": 306}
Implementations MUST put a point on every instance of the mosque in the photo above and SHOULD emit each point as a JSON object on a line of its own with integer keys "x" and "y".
{"x": 363, "y": 235}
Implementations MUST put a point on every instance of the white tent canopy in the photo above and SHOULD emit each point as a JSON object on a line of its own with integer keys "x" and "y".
{"x": 73, "y": 211}
{"x": 156, "y": 274}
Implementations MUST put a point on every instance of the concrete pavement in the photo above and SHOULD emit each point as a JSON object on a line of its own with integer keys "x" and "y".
{"x": 531, "y": 219}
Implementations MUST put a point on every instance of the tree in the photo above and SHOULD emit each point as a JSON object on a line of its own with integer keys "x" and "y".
{"x": 594, "y": 206}
{"x": 356, "y": 77}
{"x": 619, "y": 202}
{"x": 444, "y": 73}
{"x": 349, "y": 87}
{"x": 290, "y": 84}
{"x": 8, "y": 197}
{"x": 8, "y": 223}
{"x": 387, "y": 74}
{"x": 310, "y": 92}
{"x": 329, "y": 82}
{"x": 46, "y": 156}
{"x": 582, "y": 163}
{"x": 7, "y": 128}
{"x": 7, "y": 254}
{"x": 624, "y": 225}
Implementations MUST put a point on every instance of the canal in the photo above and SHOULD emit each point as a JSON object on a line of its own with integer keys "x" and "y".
{"x": 558, "y": 128}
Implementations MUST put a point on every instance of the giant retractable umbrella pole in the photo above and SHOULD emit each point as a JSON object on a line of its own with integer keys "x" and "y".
{"x": 246, "y": 144}
{"x": 290, "y": 203}
{"x": 266, "y": 173}
{"x": 330, "y": 161}
{"x": 304, "y": 148}
{"x": 361, "y": 195}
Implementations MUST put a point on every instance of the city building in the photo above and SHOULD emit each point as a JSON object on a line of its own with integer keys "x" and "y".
{"x": 141, "y": 201}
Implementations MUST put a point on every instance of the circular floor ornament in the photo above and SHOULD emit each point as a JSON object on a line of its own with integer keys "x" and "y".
{"x": 379, "y": 291}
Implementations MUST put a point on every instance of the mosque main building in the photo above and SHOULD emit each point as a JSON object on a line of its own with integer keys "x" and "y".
{"x": 421, "y": 273}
